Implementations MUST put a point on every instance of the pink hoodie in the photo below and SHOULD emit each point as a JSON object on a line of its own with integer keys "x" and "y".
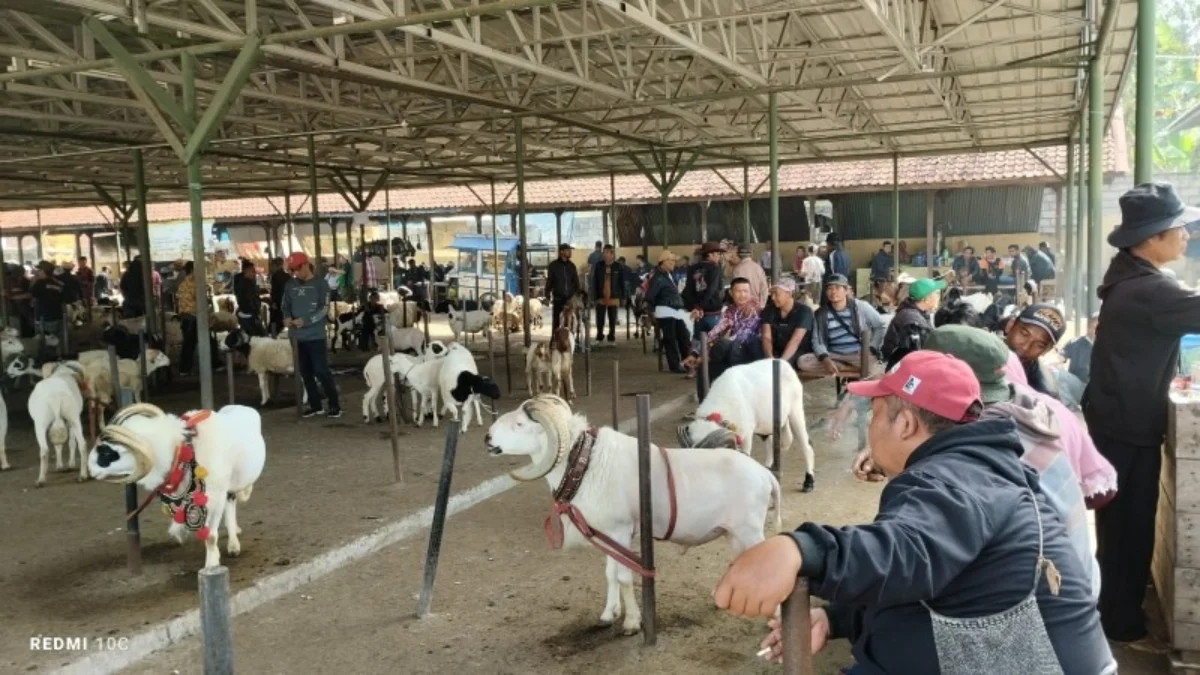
{"x": 1097, "y": 477}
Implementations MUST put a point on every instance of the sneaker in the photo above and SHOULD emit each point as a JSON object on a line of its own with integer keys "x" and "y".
{"x": 334, "y": 413}
{"x": 313, "y": 412}
{"x": 611, "y": 338}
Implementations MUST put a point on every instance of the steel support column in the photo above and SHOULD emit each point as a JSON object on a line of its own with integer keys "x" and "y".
{"x": 287, "y": 210}
{"x": 143, "y": 240}
{"x": 316, "y": 213}
{"x": 773, "y": 141}
{"x": 199, "y": 236}
{"x": 1070, "y": 255}
{"x": 896, "y": 213}
{"x": 502, "y": 292}
{"x": 1143, "y": 135}
{"x": 558, "y": 214}
{"x": 1095, "y": 178}
{"x": 1079, "y": 278}
{"x": 612, "y": 205}
{"x": 387, "y": 232}
{"x": 930, "y": 204}
{"x": 746, "y": 204}
{"x": 519, "y": 124}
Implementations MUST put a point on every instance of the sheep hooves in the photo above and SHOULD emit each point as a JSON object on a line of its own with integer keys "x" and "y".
{"x": 552, "y": 413}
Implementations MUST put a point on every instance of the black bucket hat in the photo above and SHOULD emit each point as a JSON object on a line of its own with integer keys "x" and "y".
{"x": 1147, "y": 210}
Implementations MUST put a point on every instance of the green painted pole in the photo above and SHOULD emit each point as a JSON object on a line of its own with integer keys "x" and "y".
{"x": 746, "y": 204}
{"x": 1095, "y": 179}
{"x": 665, "y": 194}
{"x": 896, "y": 213}
{"x": 1143, "y": 135}
{"x": 316, "y": 213}
{"x": 519, "y": 124}
{"x": 773, "y": 151}
{"x": 199, "y": 236}
{"x": 1079, "y": 276}
{"x": 1069, "y": 265}
{"x": 143, "y": 239}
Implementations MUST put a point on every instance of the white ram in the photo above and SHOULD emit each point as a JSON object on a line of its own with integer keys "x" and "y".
{"x": 377, "y": 383}
{"x": 264, "y": 357}
{"x": 739, "y": 406}
{"x": 474, "y": 321}
{"x": 717, "y": 492}
{"x": 142, "y": 443}
{"x": 55, "y": 405}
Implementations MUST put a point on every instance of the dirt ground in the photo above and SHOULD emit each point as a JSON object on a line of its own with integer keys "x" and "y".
{"x": 521, "y": 607}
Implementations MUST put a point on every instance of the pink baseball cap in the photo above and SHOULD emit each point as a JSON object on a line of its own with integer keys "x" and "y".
{"x": 932, "y": 381}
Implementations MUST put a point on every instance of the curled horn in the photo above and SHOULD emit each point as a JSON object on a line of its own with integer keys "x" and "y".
{"x": 551, "y": 412}
{"x": 135, "y": 410}
{"x": 719, "y": 438}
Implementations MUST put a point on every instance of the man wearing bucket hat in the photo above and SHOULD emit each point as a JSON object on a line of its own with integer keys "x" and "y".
{"x": 913, "y": 319}
{"x": 1135, "y": 357}
{"x": 960, "y": 532}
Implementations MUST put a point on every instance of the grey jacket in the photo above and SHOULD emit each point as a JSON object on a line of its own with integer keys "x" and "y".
{"x": 306, "y": 300}
{"x": 863, "y": 316}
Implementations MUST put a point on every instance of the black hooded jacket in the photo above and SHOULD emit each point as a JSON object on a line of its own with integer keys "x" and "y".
{"x": 1136, "y": 354}
{"x": 957, "y": 530}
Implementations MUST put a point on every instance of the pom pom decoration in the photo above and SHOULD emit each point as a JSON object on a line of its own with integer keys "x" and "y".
{"x": 202, "y": 533}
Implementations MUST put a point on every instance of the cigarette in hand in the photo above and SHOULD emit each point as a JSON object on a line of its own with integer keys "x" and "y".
{"x": 765, "y": 651}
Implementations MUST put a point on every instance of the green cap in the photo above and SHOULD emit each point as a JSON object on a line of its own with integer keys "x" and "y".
{"x": 921, "y": 288}
{"x": 984, "y": 352}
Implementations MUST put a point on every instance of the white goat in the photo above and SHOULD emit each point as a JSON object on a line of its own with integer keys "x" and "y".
{"x": 474, "y": 321}
{"x": 98, "y": 376}
{"x": 144, "y": 445}
{"x": 404, "y": 314}
{"x": 739, "y": 406}
{"x": 55, "y": 406}
{"x": 717, "y": 492}
{"x": 406, "y": 339}
{"x": 423, "y": 380}
{"x": 264, "y": 356}
{"x": 539, "y": 368}
{"x": 377, "y": 383}
{"x": 458, "y": 360}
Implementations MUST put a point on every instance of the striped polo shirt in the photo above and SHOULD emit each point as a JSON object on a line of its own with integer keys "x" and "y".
{"x": 838, "y": 339}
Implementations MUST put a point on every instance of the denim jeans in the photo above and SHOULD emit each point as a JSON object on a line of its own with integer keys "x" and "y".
{"x": 314, "y": 367}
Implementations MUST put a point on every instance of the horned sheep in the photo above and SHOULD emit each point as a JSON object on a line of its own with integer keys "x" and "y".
{"x": 738, "y": 407}
{"x": 202, "y": 465}
{"x": 724, "y": 492}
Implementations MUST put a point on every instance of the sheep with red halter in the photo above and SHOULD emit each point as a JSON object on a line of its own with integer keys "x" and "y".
{"x": 593, "y": 474}
{"x": 201, "y": 465}
{"x": 739, "y": 406}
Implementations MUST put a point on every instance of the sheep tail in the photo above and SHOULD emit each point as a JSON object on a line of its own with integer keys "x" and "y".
{"x": 243, "y": 496}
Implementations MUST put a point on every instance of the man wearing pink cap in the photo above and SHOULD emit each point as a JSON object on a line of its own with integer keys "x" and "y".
{"x": 966, "y": 568}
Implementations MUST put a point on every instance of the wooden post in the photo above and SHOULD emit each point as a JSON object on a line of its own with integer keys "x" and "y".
{"x": 385, "y": 347}
{"x": 646, "y": 501}
{"x": 439, "y": 519}
{"x": 797, "y": 631}
{"x": 616, "y": 392}
{"x": 133, "y": 534}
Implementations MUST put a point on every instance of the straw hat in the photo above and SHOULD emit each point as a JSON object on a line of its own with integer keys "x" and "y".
{"x": 666, "y": 256}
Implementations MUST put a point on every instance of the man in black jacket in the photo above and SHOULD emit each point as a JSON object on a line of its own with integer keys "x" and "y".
{"x": 912, "y": 321}
{"x": 1135, "y": 357}
{"x": 608, "y": 291}
{"x": 245, "y": 290}
{"x": 662, "y": 298}
{"x": 702, "y": 291}
{"x": 279, "y": 279}
{"x": 562, "y": 282}
{"x": 960, "y": 528}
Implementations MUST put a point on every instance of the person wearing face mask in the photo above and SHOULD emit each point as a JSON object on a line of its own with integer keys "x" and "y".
{"x": 1142, "y": 317}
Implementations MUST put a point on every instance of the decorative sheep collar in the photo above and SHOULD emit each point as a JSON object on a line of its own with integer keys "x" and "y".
{"x": 577, "y": 465}
{"x": 182, "y": 491}
{"x": 716, "y": 418}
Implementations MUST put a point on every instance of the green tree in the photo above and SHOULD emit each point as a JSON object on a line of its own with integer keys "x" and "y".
{"x": 1176, "y": 87}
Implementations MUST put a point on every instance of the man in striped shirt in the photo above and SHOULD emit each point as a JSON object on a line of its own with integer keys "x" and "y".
{"x": 837, "y": 326}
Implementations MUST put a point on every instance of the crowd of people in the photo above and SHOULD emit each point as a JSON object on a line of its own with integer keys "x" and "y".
{"x": 979, "y": 559}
